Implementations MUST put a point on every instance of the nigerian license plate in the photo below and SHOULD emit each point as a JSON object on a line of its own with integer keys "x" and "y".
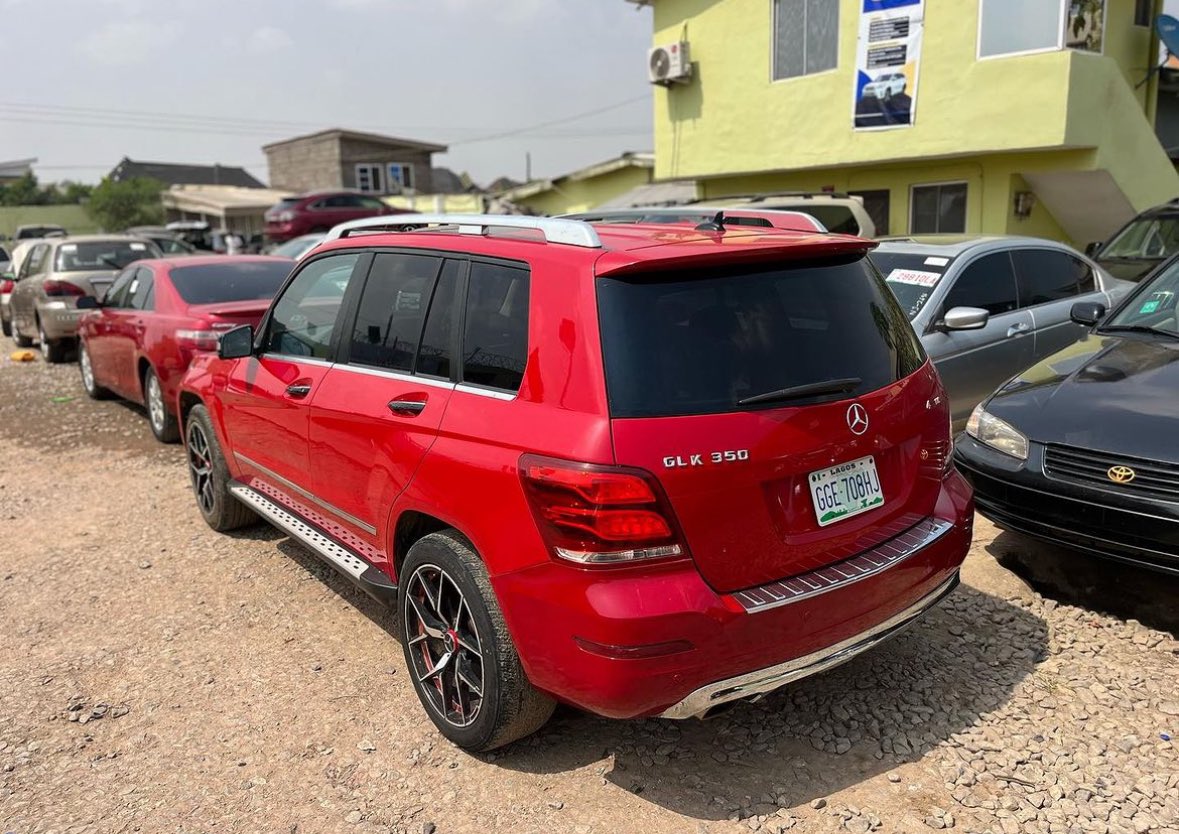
{"x": 845, "y": 490}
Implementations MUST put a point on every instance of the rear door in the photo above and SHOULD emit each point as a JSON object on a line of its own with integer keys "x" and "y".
{"x": 98, "y": 330}
{"x": 1050, "y": 282}
{"x": 377, "y": 412}
{"x": 24, "y": 294}
{"x": 267, "y": 397}
{"x": 973, "y": 363}
{"x": 126, "y": 325}
{"x": 751, "y": 481}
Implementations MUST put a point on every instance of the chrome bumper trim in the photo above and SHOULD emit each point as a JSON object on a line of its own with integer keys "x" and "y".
{"x": 906, "y": 542}
{"x": 762, "y": 681}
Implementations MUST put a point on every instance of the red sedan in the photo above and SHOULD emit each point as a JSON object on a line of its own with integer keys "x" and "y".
{"x": 137, "y": 341}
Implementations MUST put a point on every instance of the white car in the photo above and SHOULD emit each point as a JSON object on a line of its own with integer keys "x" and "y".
{"x": 8, "y": 280}
{"x": 886, "y": 86}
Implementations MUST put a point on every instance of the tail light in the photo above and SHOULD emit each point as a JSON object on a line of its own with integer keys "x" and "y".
{"x": 57, "y": 289}
{"x": 6, "y": 286}
{"x": 198, "y": 339}
{"x": 600, "y": 515}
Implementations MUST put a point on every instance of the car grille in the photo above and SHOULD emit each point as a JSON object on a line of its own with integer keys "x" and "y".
{"x": 1160, "y": 480}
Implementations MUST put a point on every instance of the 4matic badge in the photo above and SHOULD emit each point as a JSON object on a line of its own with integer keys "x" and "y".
{"x": 706, "y": 458}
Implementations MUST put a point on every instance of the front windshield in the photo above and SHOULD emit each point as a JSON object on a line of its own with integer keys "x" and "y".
{"x": 1147, "y": 237}
{"x": 912, "y": 278}
{"x": 1152, "y": 307}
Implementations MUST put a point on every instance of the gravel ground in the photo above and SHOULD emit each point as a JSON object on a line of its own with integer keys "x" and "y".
{"x": 158, "y": 677}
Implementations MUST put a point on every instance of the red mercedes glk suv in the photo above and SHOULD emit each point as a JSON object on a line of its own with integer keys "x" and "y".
{"x": 643, "y": 470}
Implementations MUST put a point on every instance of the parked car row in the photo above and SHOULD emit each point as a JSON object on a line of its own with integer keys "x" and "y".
{"x": 710, "y": 458}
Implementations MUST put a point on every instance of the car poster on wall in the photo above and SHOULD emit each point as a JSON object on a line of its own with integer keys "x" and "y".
{"x": 888, "y": 55}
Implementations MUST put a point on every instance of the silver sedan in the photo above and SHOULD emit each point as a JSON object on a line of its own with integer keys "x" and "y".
{"x": 986, "y": 308}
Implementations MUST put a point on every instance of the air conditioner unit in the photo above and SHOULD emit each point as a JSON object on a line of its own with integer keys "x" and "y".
{"x": 669, "y": 64}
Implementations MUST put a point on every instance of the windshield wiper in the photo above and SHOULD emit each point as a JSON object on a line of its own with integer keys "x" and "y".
{"x": 799, "y": 392}
{"x": 1137, "y": 328}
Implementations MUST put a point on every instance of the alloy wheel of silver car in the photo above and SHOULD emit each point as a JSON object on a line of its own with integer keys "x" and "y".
{"x": 155, "y": 403}
{"x": 200, "y": 466}
{"x": 447, "y": 654}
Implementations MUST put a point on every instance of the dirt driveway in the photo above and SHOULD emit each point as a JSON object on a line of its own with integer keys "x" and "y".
{"x": 157, "y": 677}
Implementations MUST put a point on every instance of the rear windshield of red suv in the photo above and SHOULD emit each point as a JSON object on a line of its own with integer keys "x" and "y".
{"x": 229, "y": 282}
{"x": 699, "y": 343}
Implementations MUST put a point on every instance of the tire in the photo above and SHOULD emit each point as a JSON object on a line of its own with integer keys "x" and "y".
{"x": 163, "y": 424}
{"x": 210, "y": 476}
{"x": 92, "y": 388}
{"x": 19, "y": 340}
{"x": 53, "y": 351}
{"x": 501, "y": 704}
{"x": 5, "y": 326}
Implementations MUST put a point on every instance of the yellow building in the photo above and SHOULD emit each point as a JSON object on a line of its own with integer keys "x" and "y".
{"x": 1015, "y": 116}
{"x": 584, "y": 189}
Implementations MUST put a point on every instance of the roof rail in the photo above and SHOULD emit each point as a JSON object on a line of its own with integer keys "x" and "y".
{"x": 555, "y": 230}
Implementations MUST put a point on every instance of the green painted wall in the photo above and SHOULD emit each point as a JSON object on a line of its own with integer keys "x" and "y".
{"x": 568, "y": 196}
{"x": 73, "y": 218}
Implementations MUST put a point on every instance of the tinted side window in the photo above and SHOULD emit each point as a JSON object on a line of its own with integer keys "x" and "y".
{"x": 116, "y": 296}
{"x": 392, "y": 309}
{"x": 988, "y": 283}
{"x": 495, "y": 341}
{"x": 1044, "y": 276}
{"x": 142, "y": 291}
{"x": 434, "y": 352}
{"x": 38, "y": 258}
{"x": 304, "y": 318}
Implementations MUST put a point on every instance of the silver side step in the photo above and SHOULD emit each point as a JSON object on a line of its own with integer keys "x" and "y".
{"x": 755, "y": 684}
{"x": 369, "y": 578}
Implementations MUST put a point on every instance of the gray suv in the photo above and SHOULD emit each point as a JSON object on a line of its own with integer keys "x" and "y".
{"x": 986, "y": 308}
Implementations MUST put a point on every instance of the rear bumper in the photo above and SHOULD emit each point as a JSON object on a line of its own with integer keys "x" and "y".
{"x": 59, "y": 319}
{"x": 282, "y": 232}
{"x": 627, "y": 644}
{"x": 1019, "y": 496}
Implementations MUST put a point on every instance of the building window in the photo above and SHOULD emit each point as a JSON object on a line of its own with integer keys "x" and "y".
{"x": 938, "y": 209}
{"x": 370, "y": 179}
{"x": 1012, "y": 27}
{"x": 806, "y": 37}
{"x": 1142, "y": 12}
{"x": 400, "y": 176}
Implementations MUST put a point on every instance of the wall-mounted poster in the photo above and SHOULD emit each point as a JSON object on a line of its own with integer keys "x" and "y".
{"x": 1085, "y": 28}
{"x": 888, "y": 56}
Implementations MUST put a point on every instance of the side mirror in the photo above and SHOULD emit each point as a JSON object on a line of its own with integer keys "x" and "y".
{"x": 1087, "y": 313}
{"x": 237, "y": 343}
{"x": 966, "y": 318}
{"x": 1093, "y": 248}
{"x": 88, "y": 302}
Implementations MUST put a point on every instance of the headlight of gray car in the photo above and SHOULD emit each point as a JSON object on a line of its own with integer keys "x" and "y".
{"x": 999, "y": 435}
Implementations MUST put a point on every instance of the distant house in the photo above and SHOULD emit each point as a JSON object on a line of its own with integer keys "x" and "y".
{"x": 446, "y": 181}
{"x": 15, "y": 170}
{"x": 173, "y": 174}
{"x": 503, "y": 184}
{"x": 584, "y": 189}
{"x": 366, "y": 162}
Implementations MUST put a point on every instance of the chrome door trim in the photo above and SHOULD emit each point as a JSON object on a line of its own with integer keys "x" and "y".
{"x": 331, "y": 508}
{"x": 467, "y": 388}
{"x": 397, "y": 375}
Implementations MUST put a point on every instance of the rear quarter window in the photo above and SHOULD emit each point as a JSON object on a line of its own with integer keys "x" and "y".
{"x": 698, "y": 343}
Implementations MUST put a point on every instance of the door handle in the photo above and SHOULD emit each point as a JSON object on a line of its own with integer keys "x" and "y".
{"x": 407, "y": 408}
{"x": 299, "y": 390}
{"x": 1017, "y": 329}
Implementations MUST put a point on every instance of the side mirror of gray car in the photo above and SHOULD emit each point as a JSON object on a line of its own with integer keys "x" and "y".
{"x": 1093, "y": 248}
{"x": 966, "y": 318}
{"x": 237, "y": 343}
{"x": 88, "y": 302}
{"x": 1087, "y": 313}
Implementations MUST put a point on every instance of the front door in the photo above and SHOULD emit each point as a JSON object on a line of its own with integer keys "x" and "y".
{"x": 973, "y": 363}
{"x": 377, "y": 413}
{"x": 1050, "y": 282}
{"x": 267, "y": 396}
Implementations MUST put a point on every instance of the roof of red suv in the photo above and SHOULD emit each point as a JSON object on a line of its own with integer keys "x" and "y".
{"x": 624, "y": 248}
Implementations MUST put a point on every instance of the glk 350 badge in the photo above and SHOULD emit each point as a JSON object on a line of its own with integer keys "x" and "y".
{"x": 705, "y": 458}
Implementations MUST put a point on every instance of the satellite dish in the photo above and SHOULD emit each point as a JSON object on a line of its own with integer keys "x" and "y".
{"x": 1168, "y": 29}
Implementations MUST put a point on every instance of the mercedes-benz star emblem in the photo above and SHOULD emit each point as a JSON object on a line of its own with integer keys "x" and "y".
{"x": 1121, "y": 474}
{"x": 857, "y": 419}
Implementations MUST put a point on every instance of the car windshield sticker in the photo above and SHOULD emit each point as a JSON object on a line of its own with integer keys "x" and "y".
{"x": 69, "y": 247}
{"x": 138, "y": 247}
{"x": 1149, "y": 307}
{"x": 936, "y": 261}
{"x": 134, "y": 286}
{"x": 916, "y": 277}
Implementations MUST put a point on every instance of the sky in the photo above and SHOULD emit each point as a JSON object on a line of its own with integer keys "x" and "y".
{"x": 87, "y": 82}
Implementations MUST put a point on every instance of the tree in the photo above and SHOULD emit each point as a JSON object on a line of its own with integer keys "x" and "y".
{"x": 132, "y": 202}
{"x": 22, "y": 192}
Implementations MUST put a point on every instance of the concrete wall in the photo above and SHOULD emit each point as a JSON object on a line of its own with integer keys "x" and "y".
{"x": 306, "y": 165}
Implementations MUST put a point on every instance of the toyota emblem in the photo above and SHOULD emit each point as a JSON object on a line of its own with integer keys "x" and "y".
{"x": 857, "y": 419}
{"x": 1121, "y": 474}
